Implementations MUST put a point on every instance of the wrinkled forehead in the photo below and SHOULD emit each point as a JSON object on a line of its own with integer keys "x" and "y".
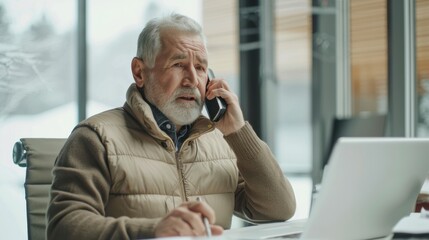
{"x": 182, "y": 43}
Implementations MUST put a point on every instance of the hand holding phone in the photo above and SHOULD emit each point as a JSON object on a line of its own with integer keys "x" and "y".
{"x": 216, "y": 107}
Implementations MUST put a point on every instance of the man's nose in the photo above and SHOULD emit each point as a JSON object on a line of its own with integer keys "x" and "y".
{"x": 191, "y": 78}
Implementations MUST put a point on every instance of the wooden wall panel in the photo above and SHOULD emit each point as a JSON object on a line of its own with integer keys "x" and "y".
{"x": 220, "y": 23}
{"x": 368, "y": 55}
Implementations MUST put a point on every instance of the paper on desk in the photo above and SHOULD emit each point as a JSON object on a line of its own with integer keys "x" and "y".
{"x": 267, "y": 230}
{"x": 413, "y": 224}
{"x": 261, "y": 231}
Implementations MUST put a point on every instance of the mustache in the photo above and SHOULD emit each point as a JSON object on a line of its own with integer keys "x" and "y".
{"x": 188, "y": 91}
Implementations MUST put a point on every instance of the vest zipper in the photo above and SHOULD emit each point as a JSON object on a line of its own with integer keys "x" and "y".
{"x": 180, "y": 163}
{"x": 181, "y": 176}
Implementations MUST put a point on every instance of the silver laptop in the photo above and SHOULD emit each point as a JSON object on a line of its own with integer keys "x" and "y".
{"x": 368, "y": 186}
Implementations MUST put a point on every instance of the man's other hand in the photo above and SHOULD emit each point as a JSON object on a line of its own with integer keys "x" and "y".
{"x": 187, "y": 220}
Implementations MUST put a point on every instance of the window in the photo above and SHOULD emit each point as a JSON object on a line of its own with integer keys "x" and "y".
{"x": 37, "y": 85}
{"x": 112, "y": 43}
{"x": 293, "y": 70}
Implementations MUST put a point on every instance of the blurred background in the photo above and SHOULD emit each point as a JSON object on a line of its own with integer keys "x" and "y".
{"x": 297, "y": 65}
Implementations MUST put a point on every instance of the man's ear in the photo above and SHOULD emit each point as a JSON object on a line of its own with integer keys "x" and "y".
{"x": 137, "y": 68}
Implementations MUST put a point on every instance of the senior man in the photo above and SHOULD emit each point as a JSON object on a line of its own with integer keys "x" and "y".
{"x": 136, "y": 171}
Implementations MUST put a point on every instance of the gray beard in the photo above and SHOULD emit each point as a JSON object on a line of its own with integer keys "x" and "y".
{"x": 179, "y": 113}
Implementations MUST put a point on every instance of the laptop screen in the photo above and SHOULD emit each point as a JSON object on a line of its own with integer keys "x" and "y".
{"x": 368, "y": 186}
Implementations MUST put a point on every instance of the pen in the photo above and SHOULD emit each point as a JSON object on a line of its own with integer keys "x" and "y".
{"x": 206, "y": 222}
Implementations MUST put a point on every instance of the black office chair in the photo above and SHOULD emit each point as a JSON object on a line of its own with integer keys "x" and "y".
{"x": 360, "y": 126}
{"x": 38, "y": 156}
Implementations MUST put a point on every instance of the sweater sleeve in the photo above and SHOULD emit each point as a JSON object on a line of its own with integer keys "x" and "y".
{"x": 80, "y": 191}
{"x": 263, "y": 192}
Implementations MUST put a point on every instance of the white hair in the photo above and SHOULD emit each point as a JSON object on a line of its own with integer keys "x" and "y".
{"x": 149, "y": 42}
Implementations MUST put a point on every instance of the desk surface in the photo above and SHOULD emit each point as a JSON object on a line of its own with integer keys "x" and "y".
{"x": 279, "y": 230}
{"x": 291, "y": 230}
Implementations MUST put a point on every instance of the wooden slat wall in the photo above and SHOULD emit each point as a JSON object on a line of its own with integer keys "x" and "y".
{"x": 292, "y": 30}
{"x": 368, "y": 29}
{"x": 368, "y": 55}
{"x": 368, "y": 45}
{"x": 220, "y": 23}
{"x": 293, "y": 40}
{"x": 422, "y": 42}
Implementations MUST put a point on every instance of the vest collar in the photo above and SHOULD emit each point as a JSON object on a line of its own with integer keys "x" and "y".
{"x": 142, "y": 112}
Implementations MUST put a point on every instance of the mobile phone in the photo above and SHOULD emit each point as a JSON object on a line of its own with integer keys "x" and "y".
{"x": 216, "y": 107}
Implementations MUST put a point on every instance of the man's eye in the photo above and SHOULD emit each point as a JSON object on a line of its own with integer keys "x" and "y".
{"x": 178, "y": 65}
{"x": 200, "y": 68}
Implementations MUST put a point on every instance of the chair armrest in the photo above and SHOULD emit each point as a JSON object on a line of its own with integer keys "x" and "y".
{"x": 19, "y": 155}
